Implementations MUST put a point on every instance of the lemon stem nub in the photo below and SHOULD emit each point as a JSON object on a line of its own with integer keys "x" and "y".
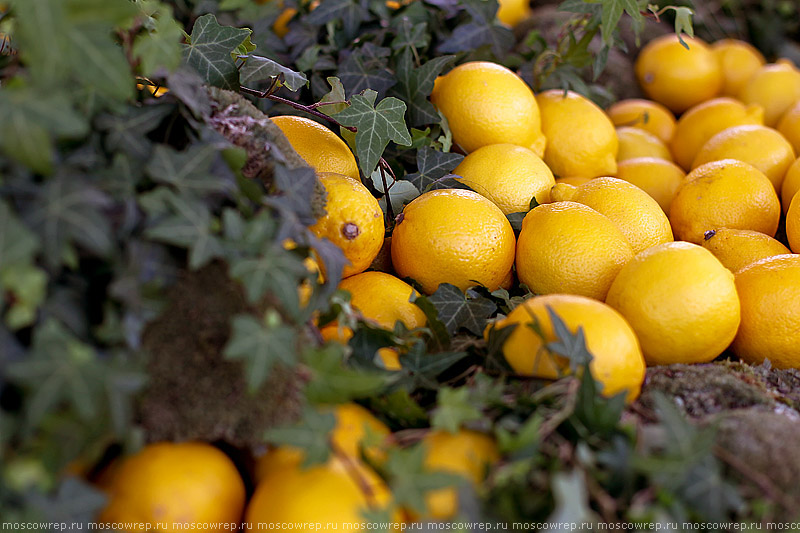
{"x": 350, "y": 231}
{"x": 710, "y": 233}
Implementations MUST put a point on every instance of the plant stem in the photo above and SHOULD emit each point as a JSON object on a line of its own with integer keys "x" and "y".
{"x": 308, "y": 109}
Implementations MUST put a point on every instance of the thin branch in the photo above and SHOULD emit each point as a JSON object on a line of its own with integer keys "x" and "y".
{"x": 308, "y": 109}
{"x": 382, "y": 164}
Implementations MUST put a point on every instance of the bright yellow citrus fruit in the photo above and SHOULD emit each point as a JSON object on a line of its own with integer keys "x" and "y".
{"x": 793, "y": 224}
{"x": 657, "y": 177}
{"x": 699, "y": 124}
{"x": 453, "y": 236}
{"x": 336, "y": 492}
{"x": 676, "y": 77}
{"x": 775, "y": 87}
{"x": 486, "y": 103}
{"x": 465, "y": 453}
{"x": 724, "y": 194}
{"x": 737, "y": 248}
{"x": 563, "y": 192}
{"x": 769, "y": 291}
{"x": 680, "y": 301}
{"x": 644, "y": 114}
{"x": 512, "y": 12}
{"x": 635, "y": 142}
{"x": 581, "y": 140}
{"x": 281, "y": 24}
{"x": 322, "y": 149}
{"x": 175, "y": 483}
{"x": 762, "y": 147}
{"x": 739, "y": 60}
{"x": 354, "y": 221}
{"x": 791, "y": 184}
{"x": 384, "y": 299}
{"x": 637, "y": 215}
{"x": 573, "y": 180}
{"x": 508, "y": 175}
{"x": 789, "y": 126}
{"x": 617, "y": 361}
{"x": 567, "y": 247}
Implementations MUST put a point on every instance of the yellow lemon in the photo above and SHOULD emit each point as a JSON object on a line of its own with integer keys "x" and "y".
{"x": 189, "y": 483}
{"x": 724, "y": 194}
{"x": 769, "y": 291}
{"x": 737, "y": 248}
{"x": 322, "y": 149}
{"x": 644, "y": 114}
{"x": 793, "y": 224}
{"x": 791, "y": 184}
{"x": 281, "y": 24}
{"x": 676, "y": 76}
{"x": 486, "y": 103}
{"x": 383, "y": 298}
{"x": 353, "y": 222}
{"x": 508, "y": 175}
{"x": 775, "y": 87}
{"x": 512, "y": 12}
{"x": 617, "y": 361}
{"x": 563, "y": 192}
{"x": 739, "y": 61}
{"x": 789, "y": 126}
{"x": 465, "y": 453}
{"x": 581, "y": 140}
{"x": 567, "y": 247}
{"x": 637, "y": 215}
{"x": 453, "y": 236}
{"x": 680, "y": 301}
{"x": 635, "y": 142}
{"x": 702, "y": 122}
{"x": 762, "y": 147}
{"x": 657, "y": 177}
{"x": 573, "y": 180}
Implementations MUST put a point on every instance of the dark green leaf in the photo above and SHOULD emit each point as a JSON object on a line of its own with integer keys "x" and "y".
{"x": 612, "y": 12}
{"x": 457, "y": 309}
{"x": 570, "y": 345}
{"x": 209, "y": 52}
{"x": 188, "y": 171}
{"x": 515, "y": 219}
{"x": 414, "y": 85}
{"x": 160, "y": 47}
{"x": 410, "y": 35}
{"x": 333, "y": 382}
{"x": 420, "y": 368}
{"x": 35, "y": 20}
{"x": 410, "y": 479}
{"x": 401, "y": 192}
{"x": 594, "y": 414}
{"x": 257, "y": 68}
{"x": 336, "y": 94}
{"x": 18, "y": 244}
{"x": 310, "y": 434}
{"x": 187, "y": 85}
{"x": 454, "y": 408}
{"x": 75, "y": 502}
{"x": 296, "y": 188}
{"x": 260, "y": 345}
{"x": 365, "y": 68}
{"x": 399, "y": 407}
{"x": 350, "y": 12}
{"x": 432, "y": 166}
{"x": 126, "y": 133}
{"x": 377, "y": 125}
{"x": 26, "y": 286}
{"x": 100, "y": 61}
{"x": 440, "y": 338}
{"x": 471, "y": 35}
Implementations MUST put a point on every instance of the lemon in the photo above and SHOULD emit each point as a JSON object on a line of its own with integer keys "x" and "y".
{"x": 775, "y": 87}
{"x": 567, "y": 247}
{"x": 384, "y": 299}
{"x": 724, "y": 194}
{"x": 680, "y": 301}
{"x": 637, "y": 215}
{"x": 617, "y": 361}
{"x": 573, "y": 180}
{"x": 676, "y": 77}
{"x": 465, "y": 453}
{"x": 737, "y": 248}
{"x": 512, "y": 12}
{"x": 635, "y": 142}
{"x": 647, "y": 115}
{"x": 702, "y": 122}
{"x": 739, "y": 61}
{"x": 657, "y": 177}
{"x": 486, "y": 103}
{"x": 769, "y": 291}
{"x": 353, "y": 222}
{"x": 581, "y": 140}
{"x": 453, "y": 236}
{"x": 508, "y": 175}
{"x": 791, "y": 184}
{"x": 164, "y": 484}
{"x": 793, "y": 224}
{"x": 789, "y": 126}
{"x": 322, "y": 149}
{"x": 762, "y": 147}
{"x": 563, "y": 192}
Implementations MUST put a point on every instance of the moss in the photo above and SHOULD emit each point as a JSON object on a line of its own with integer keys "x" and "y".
{"x": 194, "y": 393}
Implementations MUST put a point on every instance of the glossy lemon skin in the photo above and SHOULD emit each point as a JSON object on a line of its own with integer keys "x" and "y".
{"x": 647, "y": 115}
{"x": 636, "y": 142}
{"x": 383, "y": 298}
{"x": 657, "y": 177}
{"x": 453, "y": 236}
{"x": 793, "y": 224}
{"x": 321, "y": 148}
{"x": 738, "y": 248}
{"x": 738, "y": 60}
{"x": 791, "y": 184}
{"x": 789, "y": 126}
{"x": 775, "y": 87}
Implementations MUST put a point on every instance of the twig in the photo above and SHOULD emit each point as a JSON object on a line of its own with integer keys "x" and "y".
{"x": 382, "y": 164}
{"x": 552, "y": 423}
{"x": 355, "y": 473}
{"x": 761, "y": 480}
{"x": 308, "y": 109}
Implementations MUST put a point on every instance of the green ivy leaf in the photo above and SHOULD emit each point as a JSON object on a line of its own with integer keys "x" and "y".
{"x": 296, "y": 190}
{"x": 411, "y": 36}
{"x": 570, "y": 345}
{"x": 333, "y": 382}
{"x": 257, "y": 68}
{"x": 75, "y": 502}
{"x": 415, "y": 84}
{"x": 350, "y": 12}
{"x": 309, "y": 434}
{"x": 432, "y": 166}
{"x": 410, "y": 479}
{"x": 188, "y": 171}
{"x": 28, "y": 285}
{"x": 100, "y": 11}
{"x": 336, "y": 94}
{"x": 18, "y": 244}
{"x": 365, "y": 69}
{"x": 612, "y": 12}
{"x": 209, "y": 52}
{"x": 454, "y": 408}
{"x": 376, "y": 125}
{"x": 160, "y": 47}
{"x": 440, "y": 338}
{"x": 127, "y": 132}
{"x": 35, "y": 19}
{"x": 260, "y": 345}
{"x": 457, "y": 309}
{"x": 482, "y": 30}
{"x": 401, "y": 192}
{"x": 100, "y": 61}
{"x": 420, "y": 368}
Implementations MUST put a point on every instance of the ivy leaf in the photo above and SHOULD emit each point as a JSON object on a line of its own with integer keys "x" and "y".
{"x": 209, "y": 52}
{"x": 333, "y": 382}
{"x": 411, "y": 36}
{"x": 420, "y": 368}
{"x": 440, "y": 336}
{"x": 100, "y": 61}
{"x": 365, "y": 68}
{"x": 336, "y": 94}
{"x": 188, "y": 226}
{"x": 377, "y": 125}
{"x": 260, "y": 345}
{"x": 187, "y": 85}
{"x": 612, "y": 12}
{"x": 310, "y": 434}
{"x": 18, "y": 244}
{"x": 27, "y": 286}
{"x": 410, "y": 479}
{"x": 432, "y": 165}
{"x": 454, "y": 408}
{"x": 74, "y": 502}
{"x": 35, "y": 19}
{"x": 161, "y": 46}
{"x": 257, "y": 68}
{"x": 570, "y": 345}
{"x": 515, "y": 219}
{"x": 187, "y": 171}
{"x": 415, "y": 84}
{"x": 127, "y": 133}
{"x": 400, "y": 193}
{"x": 482, "y": 30}
{"x": 457, "y": 309}
{"x": 296, "y": 188}
{"x": 350, "y": 12}
{"x": 89, "y": 11}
